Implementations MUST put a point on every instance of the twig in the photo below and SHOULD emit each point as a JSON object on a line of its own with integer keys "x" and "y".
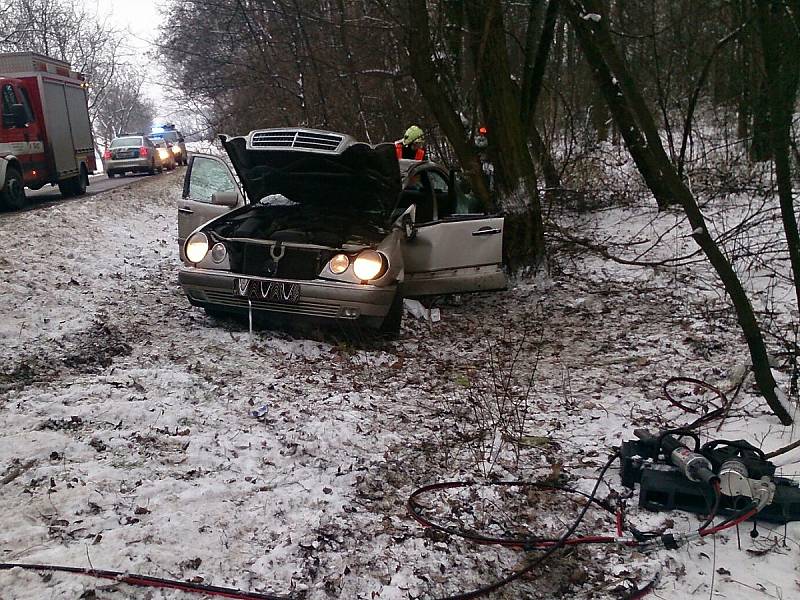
{"x": 783, "y": 450}
{"x": 17, "y": 471}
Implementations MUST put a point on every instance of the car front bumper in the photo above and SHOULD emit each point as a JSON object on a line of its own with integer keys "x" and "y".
{"x": 318, "y": 300}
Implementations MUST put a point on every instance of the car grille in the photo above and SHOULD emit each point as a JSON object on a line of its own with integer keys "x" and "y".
{"x": 296, "y": 263}
{"x": 314, "y": 309}
{"x": 296, "y": 139}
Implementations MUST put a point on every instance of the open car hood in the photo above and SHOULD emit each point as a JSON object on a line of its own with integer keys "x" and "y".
{"x": 360, "y": 179}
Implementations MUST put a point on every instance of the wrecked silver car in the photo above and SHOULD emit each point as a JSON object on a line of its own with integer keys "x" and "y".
{"x": 318, "y": 226}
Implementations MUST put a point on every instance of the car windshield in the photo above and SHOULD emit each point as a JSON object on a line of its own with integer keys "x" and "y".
{"x": 126, "y": 141}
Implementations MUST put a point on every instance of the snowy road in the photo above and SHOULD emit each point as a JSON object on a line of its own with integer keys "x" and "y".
{"x": 129, "y": 440}
{"x": 98, "y": 184}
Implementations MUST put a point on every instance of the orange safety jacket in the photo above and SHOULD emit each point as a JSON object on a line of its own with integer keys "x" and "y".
{"x": 419, "y": 154}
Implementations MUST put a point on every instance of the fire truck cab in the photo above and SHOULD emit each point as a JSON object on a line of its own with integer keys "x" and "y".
{"x": 45, "y": 133}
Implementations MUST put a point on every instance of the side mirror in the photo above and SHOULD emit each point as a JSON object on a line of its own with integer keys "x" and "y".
{"x": 225, "y": 198}
{"x": 405, "y": 222}
{"x": 19, "y": 115}
{"x": 408, "y": 227}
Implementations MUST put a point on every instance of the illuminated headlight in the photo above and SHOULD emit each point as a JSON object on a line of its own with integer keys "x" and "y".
{"x": 176, "y": 149}
{"x": 219, "y": 252}
{"x": 339, "y": 263}
{"x": 197, "y": 247}
{"x": 369, "y": 264}
{"x": 163, "y": 153}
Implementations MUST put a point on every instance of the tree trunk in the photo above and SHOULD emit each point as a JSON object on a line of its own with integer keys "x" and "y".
{"x": 591, "y": 25}
{"x": 759, "y": 143}
{"x": 515, "y": 175}
{"x": 541, "y": 152}
{"x": 445, "y": 112}
{"x": 596, "y": 47}
{"x": 780, "y": 41}
{"x": 532, "y": 81}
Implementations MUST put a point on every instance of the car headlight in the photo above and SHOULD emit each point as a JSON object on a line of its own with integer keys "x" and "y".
{"x": 176, "y": 149}
{"x": 197, "y": 247}
{"x": 369, "y": 264}
{"x": 163, "y": 153}
{"x": 219, "y": 252}
{"x": 339, "y": 263}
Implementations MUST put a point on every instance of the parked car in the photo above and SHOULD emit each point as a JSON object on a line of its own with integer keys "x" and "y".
{"x": 164, "y": 151}
{"x": 131, "y": 154}
{"x": 169, "y": 134}
{"x": 321, "y": 227}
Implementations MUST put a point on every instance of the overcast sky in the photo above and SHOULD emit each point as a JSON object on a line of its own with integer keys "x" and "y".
{"x": 141, "y": 20}
{"x": 139, "y": 17}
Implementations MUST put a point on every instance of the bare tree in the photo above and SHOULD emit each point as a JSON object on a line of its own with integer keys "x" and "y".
{"x": 66, "y": 30}
{"x": 124, "y": 108}
{"x": 589, "y": 18}
{"x": 779, "y": 29}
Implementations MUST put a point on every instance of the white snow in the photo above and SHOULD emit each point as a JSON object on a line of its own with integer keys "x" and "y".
{"x": 128, "y": 418}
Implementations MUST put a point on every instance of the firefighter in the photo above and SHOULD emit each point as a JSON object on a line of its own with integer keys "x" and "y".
{"x": 412, "y": 145}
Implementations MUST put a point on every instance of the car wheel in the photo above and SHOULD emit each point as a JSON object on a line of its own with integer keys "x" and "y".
{"x": 13, "y": 193}
{"x": 390, "y": 328}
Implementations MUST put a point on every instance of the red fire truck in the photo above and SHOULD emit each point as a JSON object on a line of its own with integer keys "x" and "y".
{"x": 45, "y": 134}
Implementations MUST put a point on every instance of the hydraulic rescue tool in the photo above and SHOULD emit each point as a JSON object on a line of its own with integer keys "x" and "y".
{"x": 671, "y": 475}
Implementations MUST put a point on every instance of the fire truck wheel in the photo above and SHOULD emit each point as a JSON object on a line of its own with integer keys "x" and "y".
{"x": 13, "y": 193}
{"x": 66, "y": 188}
{"x": 81, "y": 182}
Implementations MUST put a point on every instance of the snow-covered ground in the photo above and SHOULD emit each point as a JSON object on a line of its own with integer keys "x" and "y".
{"x": 140, "y": 435}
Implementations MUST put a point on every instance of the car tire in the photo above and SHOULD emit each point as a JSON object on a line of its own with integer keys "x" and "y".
{"x": 111, "y": 174}
{"x": 390, "y": 328}
{"x": 13, "y": 193}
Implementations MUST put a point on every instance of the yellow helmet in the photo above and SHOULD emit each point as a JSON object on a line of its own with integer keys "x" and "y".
{"x": 413, "y": 134}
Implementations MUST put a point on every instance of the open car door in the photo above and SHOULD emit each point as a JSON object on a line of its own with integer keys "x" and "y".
{"x": 209, "y": 190}
{"x": 452, "y": 251}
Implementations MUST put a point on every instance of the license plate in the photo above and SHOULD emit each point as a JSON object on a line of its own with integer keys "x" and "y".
{"x": 281, "y": 292}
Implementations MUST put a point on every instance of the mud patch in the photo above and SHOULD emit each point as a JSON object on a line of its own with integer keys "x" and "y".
{"x": 87, "y": 351}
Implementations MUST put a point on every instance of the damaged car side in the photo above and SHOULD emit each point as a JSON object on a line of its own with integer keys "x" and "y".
{"x": 322, "y": 227}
